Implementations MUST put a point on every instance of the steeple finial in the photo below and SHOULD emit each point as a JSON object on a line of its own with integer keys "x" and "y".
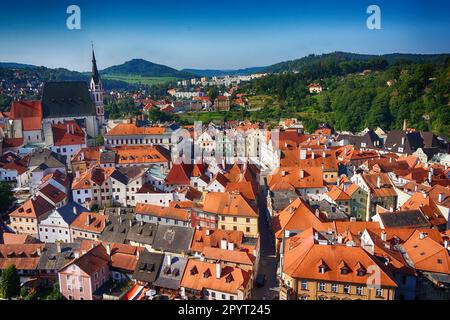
{"x": 95, "y": 74}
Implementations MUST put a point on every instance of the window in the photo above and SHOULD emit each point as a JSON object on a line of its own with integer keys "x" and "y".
{"x": 304, "y": 285}
{"x": 247, "y": 229}
{"x": 359, "y": 290}
{"x": 379, "y": 292}
{"x": 322, "y": 286}
{"x": 347, "y": 288}
{"x": 334, "y": 287}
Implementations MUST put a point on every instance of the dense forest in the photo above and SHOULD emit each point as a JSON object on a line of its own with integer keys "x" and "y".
{"x": 356, "y": 93}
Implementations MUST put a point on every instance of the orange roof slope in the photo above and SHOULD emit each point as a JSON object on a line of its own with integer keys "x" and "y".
{"x": 199, "y": 275}
{"x": 126, "y": 129}
{"x": 163, "y": 212}
{"x": 303, "y": 259}
{"x": 427, "y": 254}
{"x": 225, "y": 203}
{"x": 297, "y": 216}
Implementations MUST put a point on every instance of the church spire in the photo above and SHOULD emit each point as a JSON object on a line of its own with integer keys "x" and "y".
{"x": 95, "y": 74}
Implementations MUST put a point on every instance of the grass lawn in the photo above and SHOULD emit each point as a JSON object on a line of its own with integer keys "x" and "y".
{"x": 136, "y": 79}
{"x": 259, "y": 101}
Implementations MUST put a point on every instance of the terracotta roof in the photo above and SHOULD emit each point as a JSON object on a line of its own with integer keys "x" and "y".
{"x": 234, "y": 256}
{"x": 89, "y": 154}
{"x": 52, "y": 193}
{"x": 23, "y": 256}
{"x": 123, "y": 256}
{"x": 30, "y": 112}
{"x": 95, "y": 175}
{"x": 386, "y": 188}
{"x": 312, "y": 178}
{"x": 33, "y": 208}
{"x": 247, "y": 188}
{"x": 12, "y": 142}
{"x": 15, "y": 238}
{"x": 16, "y": 165}
{"x": 427, "y": 254}
{"x": 130, "y": 129}
{"x": 68, "y": 133}
{"x": 297, "y": 216}
{"x": 162, "y": 212}
{"x": 304, "y": 257}
{"x": 90, "y": 222}
{"x": 200, "y": 275}
{"x": 423, "y": 202}
{"x": 337, "y": 194}
{"x": 226, "y": 203}
{"x": 211, "y": 238}
{"x": 92, "y": 261}
{"x": 141, "y": 154}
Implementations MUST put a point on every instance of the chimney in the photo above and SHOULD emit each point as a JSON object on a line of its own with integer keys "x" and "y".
{"x": 317, "y": 213}
{"x": 391, "y": 209}
{"x": 218, "y": 270}
{"x": 446, "y": 244}
{"x": 422, "y": 235}
{"x": 302, "y": 174}
{"x": 76, "y": 254}
{"x": 430, "y": 175}
{"x": 77, "y": 174}
{"x": 74, "y": 210}
{"x": 72, "y": 129}
{"x": 403, "y": 141}
{"x": 208, "y": 232}
{"x": 131, "y": 223}
{"x": 378, "y": 182}
{"x": 324, "y": 154}
{"x": 441, "y": 197}
{"x": 88, "y": 219}
{"x": 108, "y": 249}
{"x": 283, "y": 173}
{"x": 316, "y": 236}
{"x": 168, "y": 260}
{"x": 405, "y": 125}
{"x": 39, "y": 252}
{"x": 68, "y": 128}
{"x": 223, "y": 244}
{"x": 302, "y": 154}
{"x": 312, "y": 155}
{"x": 383, "y": 235}
{"x": 137, "y": 254}
{"x": 339, "y": 239}
{"x": 230, "y": 246}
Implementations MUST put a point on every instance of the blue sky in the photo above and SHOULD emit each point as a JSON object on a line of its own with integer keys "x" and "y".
{"x": 215, "y": 34}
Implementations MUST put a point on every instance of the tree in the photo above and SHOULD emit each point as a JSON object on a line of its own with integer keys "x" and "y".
{"x": 10, "y": 283}
{"x": 100, "y": 140}
{"x": 213, "y": 92}
{"x": 6, "y": 197}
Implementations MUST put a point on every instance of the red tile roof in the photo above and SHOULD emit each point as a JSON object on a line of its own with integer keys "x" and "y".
{"x": 68, "y": 133}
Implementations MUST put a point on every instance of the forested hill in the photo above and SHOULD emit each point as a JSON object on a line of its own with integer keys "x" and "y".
{"x": 313, "y": 60}
{"x": 352, "y": 100}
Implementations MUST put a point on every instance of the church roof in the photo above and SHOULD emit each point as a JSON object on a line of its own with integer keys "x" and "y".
{"x": 66, "y": 99}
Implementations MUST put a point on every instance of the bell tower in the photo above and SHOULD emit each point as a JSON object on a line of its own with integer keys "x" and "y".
{"x": 96, "y": 88}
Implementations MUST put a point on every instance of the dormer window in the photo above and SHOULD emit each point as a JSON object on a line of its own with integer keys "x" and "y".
{"x": 194, "y": 271}
{"x": 344, "y": 270}
{"x": 206, "y": 274}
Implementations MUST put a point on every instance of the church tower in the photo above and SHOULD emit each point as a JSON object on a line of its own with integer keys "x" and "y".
{"x": 96, "y": 88}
